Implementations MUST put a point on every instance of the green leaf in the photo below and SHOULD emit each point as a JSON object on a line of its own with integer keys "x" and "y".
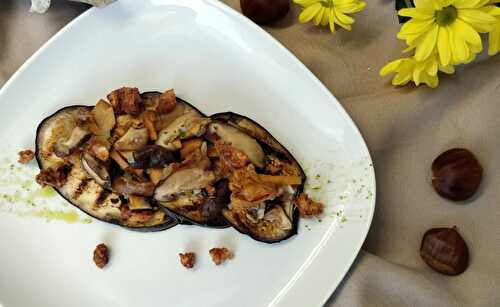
{"x": 401, "y": 4}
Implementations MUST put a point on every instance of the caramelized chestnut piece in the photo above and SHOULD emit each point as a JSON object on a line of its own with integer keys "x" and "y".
{"x": 264, "y": 11}
{"x": 456, "y": 174}
{"x": 445, "y": 251}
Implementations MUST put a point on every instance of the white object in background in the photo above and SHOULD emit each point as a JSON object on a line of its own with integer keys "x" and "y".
{"x": 41, "y": 6}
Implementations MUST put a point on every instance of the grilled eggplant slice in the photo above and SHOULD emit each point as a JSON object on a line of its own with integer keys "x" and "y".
{"x": 262, "y": 202}
{"x": 81, "y": 188}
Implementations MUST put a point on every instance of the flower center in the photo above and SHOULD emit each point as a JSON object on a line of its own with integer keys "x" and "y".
{"x": 446, "y": 16}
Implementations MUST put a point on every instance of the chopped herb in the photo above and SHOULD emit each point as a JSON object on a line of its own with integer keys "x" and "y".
{"x": 328, "y": 181}
{"x": 317, "y": 176}
{"x": 343, "y": 220}
{"x": 320, "y": 220}
{"x": 316, "y": 188}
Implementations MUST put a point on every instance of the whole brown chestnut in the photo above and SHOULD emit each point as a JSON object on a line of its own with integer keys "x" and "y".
{"x": 456, "y": 174}
{"x": 445, "y": 251}
{"x": 265, "y": 11}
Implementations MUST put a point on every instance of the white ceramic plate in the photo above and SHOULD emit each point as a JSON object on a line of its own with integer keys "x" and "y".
{"x": 219, "y": 61}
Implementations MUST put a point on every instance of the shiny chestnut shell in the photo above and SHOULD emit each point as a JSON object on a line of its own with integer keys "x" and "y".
{"x": 456, "y": 174}
{"x": 265, "y": 11}
{"x": 445, "y": 251}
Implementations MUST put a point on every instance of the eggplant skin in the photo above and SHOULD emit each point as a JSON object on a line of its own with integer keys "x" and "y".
{"x": 183, "y": 220}
{"x": 169, "y": 222}
{"x": 271, "y": 146}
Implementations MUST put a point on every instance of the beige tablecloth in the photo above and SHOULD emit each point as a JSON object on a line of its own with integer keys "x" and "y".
{"x": 405, "y": 129}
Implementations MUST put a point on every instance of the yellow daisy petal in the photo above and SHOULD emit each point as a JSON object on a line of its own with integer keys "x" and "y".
{"x": 480, "y": 21}
{"x": 340, "y": 23}
{"x": 390, "y": 67}
{"x": 494, "y": 40}
{"x": 326, "y": 17}
{"x": 319, "y": 16}
{"x": 431, "y": 81}
{"x": 351, "y": 7}
{"x": 344, "y": 18}
{"x": 443, "y": 45}
{"x": 309, "y": 12}
{"x": 468, "y": 33}
{"x": 481, "y": 3}
{"x": 466, "y": 4}
{"x": 415, "y": 27}
{"x": 424, "y": 4}
{"x": 491, "y": 10}
{"x": 416, "y": 13}
{"x": 459, "y": 47}
{"x": 427, "y": 46}
{"x": 331, "y": 21}
{"x": 447, "y": 69}
{"x": 431, "y": 67}
{"x": 401, "y": 79}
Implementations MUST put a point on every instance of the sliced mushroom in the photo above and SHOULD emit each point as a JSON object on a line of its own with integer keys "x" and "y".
{"x": 183, "y": 181}
{"x": 190, "y": 124}
{"x": 133, "y": 139}
{"x": 64, "y": 147}
{"x": 240, "y": 141}
{"x": 96, "y": 170}
{"x": 152, "y": 156}
{"x": 128, "y": 186}
{"x": 104, "y": 118}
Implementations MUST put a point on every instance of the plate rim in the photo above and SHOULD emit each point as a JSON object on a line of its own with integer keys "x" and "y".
{"x": 329, "y": 291}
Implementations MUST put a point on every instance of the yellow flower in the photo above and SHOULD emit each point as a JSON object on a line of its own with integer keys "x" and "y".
{"x": 494, "y": 35}
{"x": 448, "y": 27}
{"x": 409, "y": 69}
{"x": 330, "y": 12}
